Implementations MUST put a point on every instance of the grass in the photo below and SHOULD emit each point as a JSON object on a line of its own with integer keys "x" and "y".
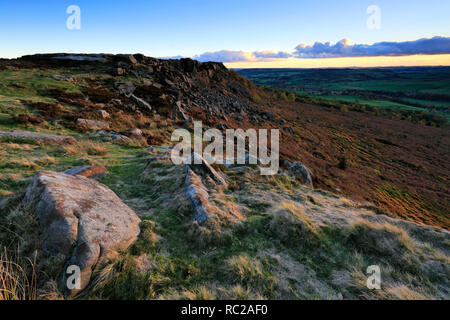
{"x": 387, "y": 89}
{"x": 15, "y": 283}
{"x": 94, "y": 148}
{"x": 34, "y": 80}
{"x": 267, "y": 240}
{"x": 167, "y": 261}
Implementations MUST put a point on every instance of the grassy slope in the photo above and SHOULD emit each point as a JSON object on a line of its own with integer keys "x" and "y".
{"x": 262, "y": 256}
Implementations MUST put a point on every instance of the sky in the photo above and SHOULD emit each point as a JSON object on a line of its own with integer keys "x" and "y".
{"x": 244, "y": 33}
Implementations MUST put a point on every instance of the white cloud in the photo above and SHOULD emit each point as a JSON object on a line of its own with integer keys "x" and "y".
{"x": 343, "y": 48}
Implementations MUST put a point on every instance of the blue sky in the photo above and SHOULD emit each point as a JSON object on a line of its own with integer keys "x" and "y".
{"x": 188, "y": 28}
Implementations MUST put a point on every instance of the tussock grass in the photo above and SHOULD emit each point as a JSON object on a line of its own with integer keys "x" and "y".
{"x": 21, "y": 163}
{"x": 15, "y": 281}
{"x": 382, "y": 240}
{"x": 16, "y": 146}
{"x": 94, "y": 148}
{"x": 238, "y": 292}
{"x": 292, "y": 226}
{"x": 250, "y": 272}
{"x": 402, "y": 292}
{"x": 199, "y": 293}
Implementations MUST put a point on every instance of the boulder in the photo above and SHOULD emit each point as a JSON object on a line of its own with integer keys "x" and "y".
{"x": 188, "y": 65}
{"x": 200, "y": 163}
{"x": 62, "y": 78}
{"x": 103, "y": 114}
{"x": 39, "y": 137}
{"x": 111, "y": 136}
{"x": 142, "y": 104}
{"x": 288, "y": 130}
{"x": 125, "y": 59}
{"x": 299, "y": 171}
{"x": 240, "y": 169}
{"x": 120, "y": 71}
{"x": 125, "y": 88}
{"x": 198, "y": 195}
{"x": 135, "y": 132}
{"x": 92, "y": 124}
{"x": 81, "y": 220}
{"x": 91, "y": 172}
{"x": 179, "y": 112}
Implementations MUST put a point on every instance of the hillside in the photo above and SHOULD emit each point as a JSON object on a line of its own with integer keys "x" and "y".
{"x": 380, "y": 191}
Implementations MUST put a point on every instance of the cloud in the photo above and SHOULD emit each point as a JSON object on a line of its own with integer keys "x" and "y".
{"x": 343, "y": 48}
{"x": 237, "y": 56}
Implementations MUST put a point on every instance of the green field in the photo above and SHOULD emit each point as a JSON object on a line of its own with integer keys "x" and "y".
{"x": 425, "y": 89}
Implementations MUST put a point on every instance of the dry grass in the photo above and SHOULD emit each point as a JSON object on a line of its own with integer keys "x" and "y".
{"x": 245, "y": 269}
{"x": 198, "y": 293}
{"x": 18, "y": 147}
{"x": 94, "y": 148}
{"x": 381, "y": 239}
{"x": 22, "y": 163}
{"x": 45, "y": 160}
{"x": 70, "y": 150}
{"x": 291, "y": 225}
{"x": 33, "y": 163}
{"x": 298, "y": 211}
{"x": 15, "y": 281}
{"x": 402, "y": 292}
{"x": 253, "y": 274}
{"x": 238, "y": 292}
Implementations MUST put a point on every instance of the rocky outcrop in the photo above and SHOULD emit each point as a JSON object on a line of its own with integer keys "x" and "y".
{"x": 299, "y": 171}
{"x": 91, "y": 172}
{"x": 125, "y": 88}
{"x": 92, "y": 124}
{"x": 141, "y": 103}
{"x": 198, "y": 195}
{"x": 39, "y": 137}
{"x": 81, "y": 220}
{"x": 111, "y": 136}
{"x": 198, "y": 162}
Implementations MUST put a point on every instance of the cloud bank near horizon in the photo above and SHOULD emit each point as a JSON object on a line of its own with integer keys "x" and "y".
{"x": 342, "y": 49}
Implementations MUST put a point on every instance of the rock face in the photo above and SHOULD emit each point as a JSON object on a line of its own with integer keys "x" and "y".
{"x": 80, "y": 219}
{"x": 301, "y": 172}
{"x": 91, "y": 172}
{"x": 198, "y": 195}
{"x": 92, "y": 124}
{"x": 37, "y": 136}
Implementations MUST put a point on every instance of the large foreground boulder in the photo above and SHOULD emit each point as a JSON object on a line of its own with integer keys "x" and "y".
{"x": 80, "y": 219}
